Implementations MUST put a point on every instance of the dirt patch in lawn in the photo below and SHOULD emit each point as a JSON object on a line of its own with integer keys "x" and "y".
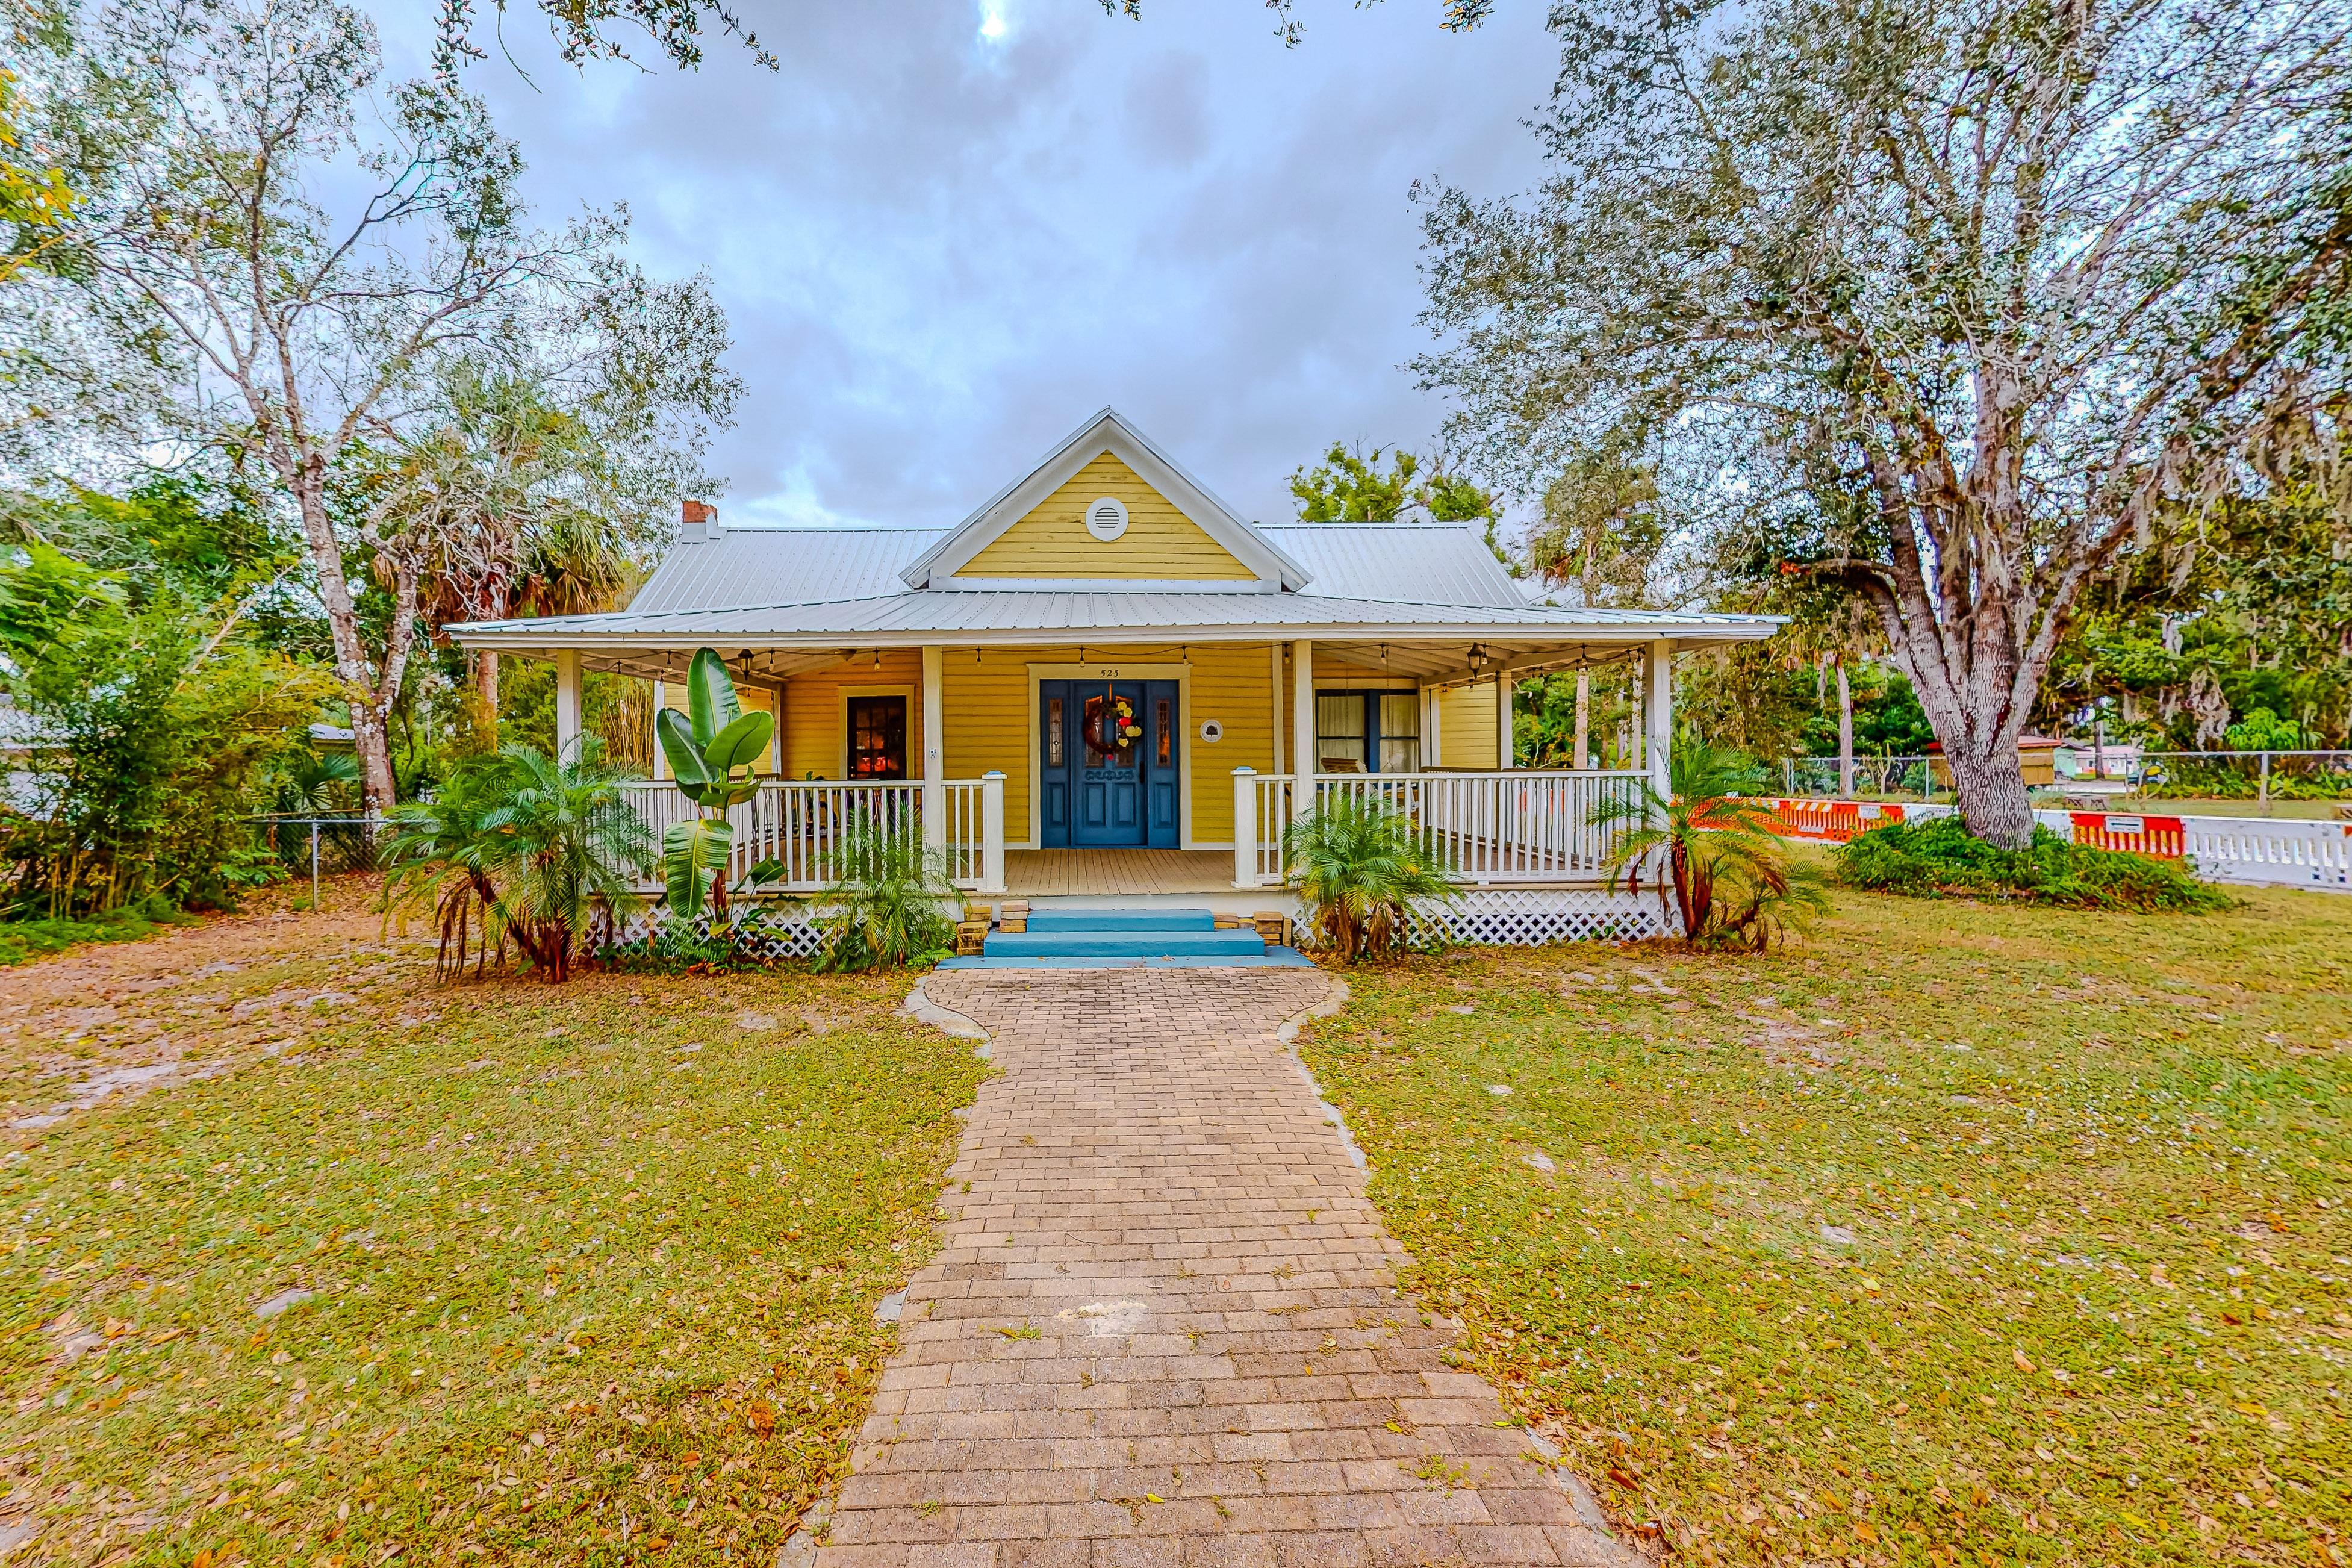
{"x": 347, "y": 1266}
{"x": 1964, "y": 1234}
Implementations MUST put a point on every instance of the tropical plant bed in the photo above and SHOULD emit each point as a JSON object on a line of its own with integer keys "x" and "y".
{"x": 1941, "y": 857}
{"x": 1969, "y": 1233}
{"x": 486, "y": 1271}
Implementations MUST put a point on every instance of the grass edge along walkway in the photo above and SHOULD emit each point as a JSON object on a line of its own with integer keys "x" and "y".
{"x": 502, "y": 1272}
{"x": 1965, "y": 1234}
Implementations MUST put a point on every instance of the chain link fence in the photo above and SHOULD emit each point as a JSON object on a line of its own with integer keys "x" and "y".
{"x": 320, "y": 846}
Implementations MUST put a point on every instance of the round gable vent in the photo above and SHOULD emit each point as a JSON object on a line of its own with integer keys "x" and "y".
{"x": 1107, "y": 519}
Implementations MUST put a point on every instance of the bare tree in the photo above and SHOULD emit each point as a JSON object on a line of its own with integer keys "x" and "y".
{"x": 2026, "y": 279}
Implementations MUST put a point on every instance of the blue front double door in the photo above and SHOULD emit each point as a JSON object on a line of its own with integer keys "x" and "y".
{"x": 1107, "y": 775}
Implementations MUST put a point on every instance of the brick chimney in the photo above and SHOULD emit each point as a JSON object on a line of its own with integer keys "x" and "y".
{"x": 698, "y": 521}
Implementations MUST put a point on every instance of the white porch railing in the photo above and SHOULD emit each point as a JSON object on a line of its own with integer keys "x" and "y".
{"x": 804, "y": 824}
{"x": 1517, "y": 826}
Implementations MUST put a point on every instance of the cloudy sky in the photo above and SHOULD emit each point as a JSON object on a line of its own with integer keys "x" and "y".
{"x": 948, "y": 230}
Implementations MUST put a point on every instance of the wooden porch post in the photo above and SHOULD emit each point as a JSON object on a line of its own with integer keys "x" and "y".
{"x": 1273, "y": 695}
{"x": 991, "y": 832}
{"x": 776, "y": 746}
{"x": 935, "y": 795}
{"x": 567, "y": 704}
{"x": 1302, "y": 733}
{"x": 661, "y": 700}
{"x": 1505, "y": 752}
{"x": 1660, "y": 712}
{"x": 1246, "y": 824}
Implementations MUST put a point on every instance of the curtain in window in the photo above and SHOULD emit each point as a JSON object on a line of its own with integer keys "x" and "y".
{"x": 1400, "y": 731}
{"x": 1340, "y": 732}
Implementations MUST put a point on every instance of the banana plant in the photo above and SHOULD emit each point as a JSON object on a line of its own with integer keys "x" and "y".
{"x": 712, "y": 748}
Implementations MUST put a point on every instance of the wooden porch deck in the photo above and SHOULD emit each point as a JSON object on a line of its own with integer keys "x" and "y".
{"x": 1057, "y": 873}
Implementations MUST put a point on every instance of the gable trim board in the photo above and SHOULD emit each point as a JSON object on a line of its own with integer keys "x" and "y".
{"x": 1107, "y": 433}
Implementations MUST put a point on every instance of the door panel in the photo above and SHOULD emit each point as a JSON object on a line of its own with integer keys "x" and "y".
{"x": 1110, "y": 763}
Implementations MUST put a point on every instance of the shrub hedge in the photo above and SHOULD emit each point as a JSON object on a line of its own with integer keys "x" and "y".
{"x": 1941, "y": 858}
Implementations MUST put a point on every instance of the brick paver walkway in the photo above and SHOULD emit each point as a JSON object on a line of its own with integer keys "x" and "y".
{"x": 1163, "y": 1329}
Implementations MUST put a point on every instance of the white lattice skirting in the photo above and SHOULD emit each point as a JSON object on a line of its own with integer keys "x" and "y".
{"x": 759, "y": 933}
{"x": 1530, "y": 917}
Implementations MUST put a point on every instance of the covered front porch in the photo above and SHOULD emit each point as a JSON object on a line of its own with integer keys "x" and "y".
{"x": 1001, "y": 760}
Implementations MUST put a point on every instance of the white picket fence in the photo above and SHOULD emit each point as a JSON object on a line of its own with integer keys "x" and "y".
{"x": 805, "y": 825}
{"x": 1514, "y": 827}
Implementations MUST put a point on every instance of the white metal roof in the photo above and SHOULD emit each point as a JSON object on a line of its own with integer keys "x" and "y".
{"x": 781, "y": 567}
{"x": 743, "y": 567}
{"x": 1022, "y": 614}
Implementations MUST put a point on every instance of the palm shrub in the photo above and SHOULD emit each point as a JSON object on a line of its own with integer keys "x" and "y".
{"x": 520, "y": 848}
{"x": 443, "y": 855}
{"x": 884, "y": 908}
{"x": 572, "y": 843}
{"x": 1710, "y": 848}
{"x": 1361, "y": 868}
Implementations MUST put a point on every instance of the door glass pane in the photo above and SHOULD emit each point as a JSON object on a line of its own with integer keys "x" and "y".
{"x": 1105, "y": 730}
{"x": 1164, "y": 716}
{"x": 1053, "y": 731}
{"x": 1400, "y": 731}
{"x": 1340, "y": 732}
{"x": 877, "y": 737}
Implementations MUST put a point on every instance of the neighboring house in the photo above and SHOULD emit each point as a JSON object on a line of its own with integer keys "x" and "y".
{"x": 2037, "y": 759}
{"x": 1131, "y": 674}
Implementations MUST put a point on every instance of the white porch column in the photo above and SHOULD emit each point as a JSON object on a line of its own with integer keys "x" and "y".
{"x": 1245, "y": 825}
{"x": 991, "y": 832}
{"x": 776, "y": 746}
{"x": 1660, "y": 713}
{"x": 1433, "y": 728}
{"x": 661, "y": 700}
{"x": 567, "y": 705}
{"x": 935, "y": 795}
{"x": 1302, "y": 728}
{"x": 1273, "y": 695}
{"x": 1504, "y": 750}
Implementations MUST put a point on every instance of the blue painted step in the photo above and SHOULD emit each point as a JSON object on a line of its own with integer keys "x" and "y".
{"x": 1121, "y": 919}
{"x": 1271, "y": 957}
{"x": 1113, "y": 944}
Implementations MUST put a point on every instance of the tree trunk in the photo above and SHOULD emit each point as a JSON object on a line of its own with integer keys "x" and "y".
{"x": 1583, "y": 718}
{"x": 370, "y": 737}
{"x": 486, "y": 694}
{"x": 1992, "y": 796}
{"x": 1845, "y": 736}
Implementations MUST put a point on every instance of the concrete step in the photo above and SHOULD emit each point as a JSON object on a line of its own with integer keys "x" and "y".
{"x": 1271, "y": 957}
{"x": 1123, "y": 943}
{"x": 1121, "y": 920}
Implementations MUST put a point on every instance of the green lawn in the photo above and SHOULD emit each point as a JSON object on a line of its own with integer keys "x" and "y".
{"x": 592, "y": 1271}
{"x": 1962, "y": 1233}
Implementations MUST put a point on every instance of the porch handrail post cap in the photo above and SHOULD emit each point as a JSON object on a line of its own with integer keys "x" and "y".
{"x": 994, "y": 773}
{"x": 1246, "y": 770}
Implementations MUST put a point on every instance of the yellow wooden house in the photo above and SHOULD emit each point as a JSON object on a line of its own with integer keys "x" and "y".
{"x": 1104, "y": 685}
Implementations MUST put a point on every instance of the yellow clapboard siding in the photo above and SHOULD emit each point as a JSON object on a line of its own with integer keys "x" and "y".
{"x": 985, "y": 704}
{"x": 1465, "y": 726}
{"x": 751, "y": 699}
{"x": 1052, "y": 541}
{"x": 1230, "y": 684}
{"x": 814, "y": 732}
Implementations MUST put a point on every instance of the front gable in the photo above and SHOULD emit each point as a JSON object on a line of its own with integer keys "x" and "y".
{"x": 1159, "y": 543}
{"x": 1035, "y": 529}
